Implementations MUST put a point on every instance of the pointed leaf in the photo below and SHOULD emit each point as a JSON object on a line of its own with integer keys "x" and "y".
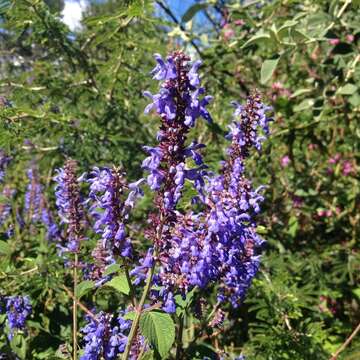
{"x": 4, "y": 248}
{"x": 159, "y": 329}
{"x": 267, "y": 69}
{"x": 347, "y": 89}
{"x": 120, "y": 284}
{"x": 83, "y": 288}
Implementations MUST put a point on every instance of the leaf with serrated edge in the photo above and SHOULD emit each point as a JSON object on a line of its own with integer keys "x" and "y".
{"x": 120, "y": 284}
{"x": 159, "y": 329}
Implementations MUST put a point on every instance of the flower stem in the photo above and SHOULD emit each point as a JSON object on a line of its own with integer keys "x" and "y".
{"x": 139, "y": 309}
{"x": 179, "y": 338}
{"x": 75, "y": 308}
{"x": 132, "y": 292}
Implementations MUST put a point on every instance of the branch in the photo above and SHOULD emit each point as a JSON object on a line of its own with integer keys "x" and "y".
{"x": 177, "y": 22}
{"x": 346, "y": 343}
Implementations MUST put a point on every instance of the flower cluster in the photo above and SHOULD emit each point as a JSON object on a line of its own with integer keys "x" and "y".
{"x": 33, "y": 195}
{"x": 4, "y": 161}
{"x": 111, "y": 209}
{"x": 7, "y": 193}
{"x": 70, "y": 205}
{"x": 220, "y": 244}
{"x": 180, "y": 102}
{"x": 112, "y": 201}
{"x": 5, "y": 207}
{"x": 18, "y": 308}
{"x": 106, "y": 337}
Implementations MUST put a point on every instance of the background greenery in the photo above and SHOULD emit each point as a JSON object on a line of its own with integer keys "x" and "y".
{"x": 79, "y": 94}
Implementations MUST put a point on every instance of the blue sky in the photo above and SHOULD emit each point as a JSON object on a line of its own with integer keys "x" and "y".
{"x": 73, "y": 9}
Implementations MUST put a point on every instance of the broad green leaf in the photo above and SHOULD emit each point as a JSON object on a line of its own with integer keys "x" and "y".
{"x": 267, "y": 69}
{"x": 347, "y": 89}
{"x": 120, "y": 284}
{"x": 192, "y": 10}
{"x": 354, "y": 100}
{"x": 159, "y": 329}
{"x": 113, "y": 268}
{"x": 4, "y": 248}
{"x": 83, "y": 288}
{"x": 129, "y": 316}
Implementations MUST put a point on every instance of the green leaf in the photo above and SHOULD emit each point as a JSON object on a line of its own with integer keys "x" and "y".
{"x": 300, "y": 92}
{"x": 159, "y": 329}
{"x": 181, "y": 303}
{"x": 267, "y": 69}
{"x": 111, "y": 269}
{"x": 347, "y": 89}
{"x": 192, "y": 10}
{"x": 261, "y": 36}
{"x": 83, "y": 288}
{"x": 129, "y": 316}
{"x": 149, "y": 355}
{"x": 4, "y": 6}
{"x": 304, "y": 105}
{"x": 293, "y": 226}
{"x": 120, "y": 284}
{"x": 356, "y": 292}
{"x": 4, "y": 248}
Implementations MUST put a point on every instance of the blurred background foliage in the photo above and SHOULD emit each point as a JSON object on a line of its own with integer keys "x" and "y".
{"x": 78, "y": 93}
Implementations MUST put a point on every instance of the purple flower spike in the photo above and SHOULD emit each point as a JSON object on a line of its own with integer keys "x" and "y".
{"x": 219, "y": 245}
{"x": 33, "y": 195}
{"x": 70, "y": 205}
{"x": 111, "y": 207}
{"x": 4, "y": 162}
{"x": 18, "y": 308}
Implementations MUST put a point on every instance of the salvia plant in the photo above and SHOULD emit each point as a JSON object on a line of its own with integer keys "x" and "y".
{"x": 190, "y": 246}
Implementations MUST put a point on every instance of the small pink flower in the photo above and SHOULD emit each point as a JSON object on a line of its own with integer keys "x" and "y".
{"x": 228, "y": 32}
{"x": 239, "y": 22}
{"x": 335, "y": 159}
{"x": 328, "y": 213}
{"x": 347, "y": 168}
{"x": 277, "y": 85}
{"x": 350, "y": 38}
{"x": 334, "y": 41}
{"x": 312, "y": 146}
{"x": 285, "y": 160}
{"x": 321, "y": 213}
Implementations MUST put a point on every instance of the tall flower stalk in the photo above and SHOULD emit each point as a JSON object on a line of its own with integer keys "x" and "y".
{"x": 71, "y": 212}
{"x": 179, "y": 103}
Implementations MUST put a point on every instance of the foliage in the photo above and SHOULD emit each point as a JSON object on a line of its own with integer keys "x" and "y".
{"x": 78, "y": 94}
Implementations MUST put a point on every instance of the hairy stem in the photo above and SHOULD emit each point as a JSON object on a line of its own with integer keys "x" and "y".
{"x": 75, "y": 308}
{"x": 132, "y": 292}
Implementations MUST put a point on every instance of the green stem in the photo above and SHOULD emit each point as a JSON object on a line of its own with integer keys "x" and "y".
{"x": 139, "y": 309}
{"x": 132, "y": 292}
{"x": 179, "y": 338}
{"x": 75, "y": 308}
